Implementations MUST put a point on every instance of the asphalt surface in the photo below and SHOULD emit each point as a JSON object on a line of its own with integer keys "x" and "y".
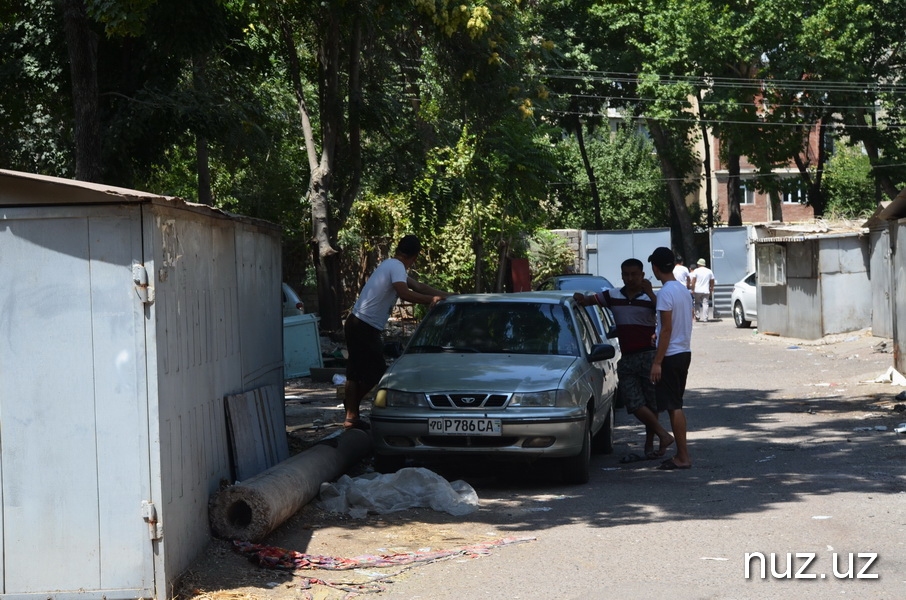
{"x": 793, "y": 454}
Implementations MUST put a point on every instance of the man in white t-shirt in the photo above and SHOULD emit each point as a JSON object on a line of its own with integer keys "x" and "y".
{"x": 368, "y": 317}
{"x": 680, "y": 272}
{"x": 670, "y": 366}
{"x": 703, "y": 288}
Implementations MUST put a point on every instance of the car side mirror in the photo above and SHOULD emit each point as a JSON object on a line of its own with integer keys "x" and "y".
{"x": 601, "y": 352}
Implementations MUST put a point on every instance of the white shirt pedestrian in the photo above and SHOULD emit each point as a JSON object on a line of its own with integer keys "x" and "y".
{"x": 702, "y": 287}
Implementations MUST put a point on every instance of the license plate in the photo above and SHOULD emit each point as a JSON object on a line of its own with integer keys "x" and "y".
{"x": 463, "y": 426}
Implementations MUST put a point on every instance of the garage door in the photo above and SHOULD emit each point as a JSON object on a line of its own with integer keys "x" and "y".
{"x": 74, "y": 467}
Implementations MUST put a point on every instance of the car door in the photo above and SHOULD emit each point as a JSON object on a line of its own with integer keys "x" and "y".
{"x": 749, "y": 293}
{"x": 601, "y": 376}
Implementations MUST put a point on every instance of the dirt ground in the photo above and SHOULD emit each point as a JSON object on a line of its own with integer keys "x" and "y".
{"x": 314, "y": 411}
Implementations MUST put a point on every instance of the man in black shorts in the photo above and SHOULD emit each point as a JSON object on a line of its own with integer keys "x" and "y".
{"x": 674, "y": 351}
{"x": 368, "y": 317}
{"x": 633, "y": 308}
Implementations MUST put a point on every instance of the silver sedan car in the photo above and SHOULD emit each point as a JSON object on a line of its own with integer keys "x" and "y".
{"x": 516, "y": 376}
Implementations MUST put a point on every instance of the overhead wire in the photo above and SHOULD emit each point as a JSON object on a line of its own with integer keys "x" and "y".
{"x": 705, "y": 82}
{"x": 758, "y": 123}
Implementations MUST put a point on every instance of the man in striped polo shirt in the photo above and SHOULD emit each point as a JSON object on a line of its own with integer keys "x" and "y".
{"x": 634, "y": 310}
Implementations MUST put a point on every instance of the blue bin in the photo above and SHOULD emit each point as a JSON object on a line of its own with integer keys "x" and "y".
{"x": 301, "y": 346}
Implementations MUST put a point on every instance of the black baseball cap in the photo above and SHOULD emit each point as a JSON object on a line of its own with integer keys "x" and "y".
{"x": 663, "y": 258}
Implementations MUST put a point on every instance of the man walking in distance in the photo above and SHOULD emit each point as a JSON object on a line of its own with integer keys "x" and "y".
{"x": 680, "y": 272}
{"x": 670, "y": 366}
{"x": 684, "y": 276}
{"x": 703, "y": 287}
{"x": 368, "y": 317}
{"x": 633, "y": 309}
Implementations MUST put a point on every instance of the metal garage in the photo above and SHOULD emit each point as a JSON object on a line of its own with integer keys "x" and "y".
{"x": 126, "y": 318}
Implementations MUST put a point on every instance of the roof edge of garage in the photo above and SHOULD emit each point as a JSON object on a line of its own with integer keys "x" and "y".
{"x": 18, "y": 188}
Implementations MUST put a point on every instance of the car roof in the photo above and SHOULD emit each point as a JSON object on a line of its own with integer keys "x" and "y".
{"x": 582, "y": 278}
{"x": 546, "y": 297}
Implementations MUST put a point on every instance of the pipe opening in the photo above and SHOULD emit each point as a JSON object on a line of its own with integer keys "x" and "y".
{"x": 239, "y": 514}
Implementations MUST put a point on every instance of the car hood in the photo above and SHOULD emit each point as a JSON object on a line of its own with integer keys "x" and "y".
{"x": 478, "y": 372}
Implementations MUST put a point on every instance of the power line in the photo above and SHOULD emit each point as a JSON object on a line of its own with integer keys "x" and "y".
{"x": 764, "y": 104}
{"x": 706, "y": 82}
{"x": 762, "y": 124}
{"x": 745, "y": 176}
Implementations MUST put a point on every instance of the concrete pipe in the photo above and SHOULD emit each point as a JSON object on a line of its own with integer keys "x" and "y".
{"x": 250, "y": 510}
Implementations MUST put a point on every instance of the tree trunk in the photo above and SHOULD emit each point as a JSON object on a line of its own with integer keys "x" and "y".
{"x": 674, "y": 186}
{"x": 325, "y": 257}
{"x": 734, "y": 212}
{"x": 709, "y": 201}
{"x": 503, "y": 248}
{"x": 202, "y": 154}
{"x": 776, "y": 205}
{"x": 589, "y": 170}
{"x": 354, "y": 160}
{"x": 874, "y": 155}
{"x": 814, "y": 194}
{"x": 478, "y": 249}
{"x": 81, "y": 43}
{"x": 202, "y": 165}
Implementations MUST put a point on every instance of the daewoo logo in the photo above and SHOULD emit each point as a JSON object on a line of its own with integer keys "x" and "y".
{"x": 468, "y": 400}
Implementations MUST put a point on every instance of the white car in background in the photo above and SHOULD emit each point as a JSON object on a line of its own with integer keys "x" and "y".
{"x": 292, "y": 304}
{"x": 743, "y": 301}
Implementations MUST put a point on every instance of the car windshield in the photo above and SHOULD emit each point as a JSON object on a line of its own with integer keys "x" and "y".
{"x": 496, "y": 327}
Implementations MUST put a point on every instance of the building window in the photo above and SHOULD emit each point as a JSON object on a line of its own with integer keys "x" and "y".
{"x": 794, "y": 196}
{"x": 746, "y": 192}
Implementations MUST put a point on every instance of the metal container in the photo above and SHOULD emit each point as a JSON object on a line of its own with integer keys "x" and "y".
{"x": 125, "y": 320}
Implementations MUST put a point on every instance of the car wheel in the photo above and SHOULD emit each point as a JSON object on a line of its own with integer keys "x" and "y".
{"x": 602, "y": 442}
{"x": 388, "y": 463}
{"x": 739, "y": 315}
{"x": 576, "y": 468}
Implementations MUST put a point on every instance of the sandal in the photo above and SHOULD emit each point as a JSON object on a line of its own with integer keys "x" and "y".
{"x": 631, "y": 458}
{"x": 669, "y": 465}
{"x": 356, "y": 423}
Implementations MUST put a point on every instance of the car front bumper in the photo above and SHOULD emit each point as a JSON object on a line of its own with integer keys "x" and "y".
{"x": 532, "y": 437}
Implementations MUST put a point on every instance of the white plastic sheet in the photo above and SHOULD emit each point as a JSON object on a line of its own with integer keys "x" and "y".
{"x": 411, "y": 487}
{"x": 891, "y": 376}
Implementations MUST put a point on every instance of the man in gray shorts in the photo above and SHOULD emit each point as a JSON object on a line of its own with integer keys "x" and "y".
{"x": 633, "y": 308}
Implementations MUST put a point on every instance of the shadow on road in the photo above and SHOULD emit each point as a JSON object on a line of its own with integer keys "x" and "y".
{"x": 751, "y": 452}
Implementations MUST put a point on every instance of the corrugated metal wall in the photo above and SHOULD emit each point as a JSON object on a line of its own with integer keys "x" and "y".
{"x": 879, "y": 273}
{"x": 731, "y": 260}
{"x": 218, "y": 329}
{"x": 827, "y": 288}
{"x": 606, "y": 250}
{"x": 111, "y": 405}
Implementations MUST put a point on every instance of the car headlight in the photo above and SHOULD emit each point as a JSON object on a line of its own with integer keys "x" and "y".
{"x": 545, "y": 398}
{"x": 398, "y": 399}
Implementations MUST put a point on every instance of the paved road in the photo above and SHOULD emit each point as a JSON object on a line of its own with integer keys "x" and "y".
{"x": 781, "y": 465}
{"x": 787, "y": 460}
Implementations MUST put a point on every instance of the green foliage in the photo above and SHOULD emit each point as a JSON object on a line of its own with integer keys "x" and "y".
{"x": 377, "y": 222}
{"x": 120, "y": 17}
{"x": 549, "y": 254}
{"x": 474, "y": 232}
{"x": 35, "y": 99}
{"x": 632, "y": 189}
{"x": 468, "y": 110}
{"x": 848, "y": 184}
